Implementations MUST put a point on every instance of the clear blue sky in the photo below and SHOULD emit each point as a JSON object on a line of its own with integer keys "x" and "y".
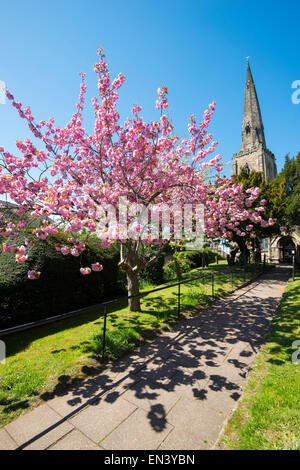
{"x": 196, "y": 48}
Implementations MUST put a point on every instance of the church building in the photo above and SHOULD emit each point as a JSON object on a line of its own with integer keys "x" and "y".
{"x": 254, "y": 155}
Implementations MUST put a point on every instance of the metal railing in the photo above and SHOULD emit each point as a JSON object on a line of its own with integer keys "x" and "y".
{"x": 178, "y": 284}
{"x": 212, "y": 274}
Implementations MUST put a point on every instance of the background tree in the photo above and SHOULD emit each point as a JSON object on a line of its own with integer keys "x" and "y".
{"x": 273, "y": 196}
{"x": 290, "y": 178}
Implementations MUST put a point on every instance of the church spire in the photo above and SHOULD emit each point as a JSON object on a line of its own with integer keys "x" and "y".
{"x": 252, "y": 127}
{"x": 253, "y": 154}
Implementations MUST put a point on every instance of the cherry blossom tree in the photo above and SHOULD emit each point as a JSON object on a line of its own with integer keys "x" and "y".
{"x": 70, "y": 180}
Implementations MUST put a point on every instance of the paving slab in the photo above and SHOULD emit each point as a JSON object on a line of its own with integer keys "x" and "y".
{"x": 179, "y": 438}
{"x": 40, "y": 425}
{"x": 75, "y": 440}
{"x": 223, "y": 402}
{"x": 96, "y": 422}
{"x": 141, "y": 431}
{"x": 113, "y": 383}
{"x": 225, "y": 376}
{"x": 149, "y": 397}
{"x": 6, "y": 442}
{"x": 197, "y": 420}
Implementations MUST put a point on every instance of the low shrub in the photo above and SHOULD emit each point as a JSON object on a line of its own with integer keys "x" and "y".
{"x": 154, "y": 273}
{"x": 174, "y": 268}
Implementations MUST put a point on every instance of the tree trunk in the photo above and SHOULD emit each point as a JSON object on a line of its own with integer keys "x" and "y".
{"x": 233, "y": 252}
{"x": 257, "y": 251}
{"x": 134, "y": 304}
{"x": 244, "y": 252}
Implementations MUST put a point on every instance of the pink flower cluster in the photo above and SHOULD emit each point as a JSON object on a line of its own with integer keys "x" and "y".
{"x": 96, "y": 267}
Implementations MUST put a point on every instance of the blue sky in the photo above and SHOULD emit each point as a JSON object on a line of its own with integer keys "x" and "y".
{"x": 197, "y": 49}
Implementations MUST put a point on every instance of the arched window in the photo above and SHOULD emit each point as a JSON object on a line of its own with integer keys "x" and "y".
{"x": 247, "y": 169}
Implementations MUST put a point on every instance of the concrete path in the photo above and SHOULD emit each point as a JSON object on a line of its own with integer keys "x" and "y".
{"x": 175, "y": 393}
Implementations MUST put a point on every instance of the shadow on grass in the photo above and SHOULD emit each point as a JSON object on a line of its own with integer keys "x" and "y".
{"x": 15, "y": 406}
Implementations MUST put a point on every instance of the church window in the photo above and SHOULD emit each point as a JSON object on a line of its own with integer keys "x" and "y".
{"x": 247, "y": 169}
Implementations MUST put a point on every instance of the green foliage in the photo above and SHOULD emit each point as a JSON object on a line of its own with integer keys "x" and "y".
{"x": 194, "y": 258}
{"x": 188, "y": 260}
{"x": 198, "y": 258}
{"x": 61, "y": 287}
{"x": 154, "y": 272}
{"x": 290, "y": 178}
{"x": 172, "y": 267}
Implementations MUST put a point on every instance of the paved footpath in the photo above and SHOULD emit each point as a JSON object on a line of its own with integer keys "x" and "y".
{"x": 175, "y": 393}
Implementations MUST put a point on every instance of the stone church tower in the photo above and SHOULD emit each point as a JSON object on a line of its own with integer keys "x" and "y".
{"x": 253, "y": 154}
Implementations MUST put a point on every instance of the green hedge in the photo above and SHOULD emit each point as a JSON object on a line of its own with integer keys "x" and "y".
{"x": 198, "y": 258}
{"x": 154, "y": 273}
{"x": 61, "y": 287}
{"x": 174, "y": 268}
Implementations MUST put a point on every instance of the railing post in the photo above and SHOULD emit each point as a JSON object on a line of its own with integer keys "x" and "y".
{"x": 104, "y": 332}
{"x": 293, "y": 267}
{"x": 178, "y": 312}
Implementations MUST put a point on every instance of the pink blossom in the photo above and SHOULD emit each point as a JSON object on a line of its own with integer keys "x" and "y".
{"x": 65, "y": 250}
{"x": 136, "y": 227}
{"x": 21, "y": 250}
{"x": 97, "y": 267}
{"x": 21, "y": 258}
{"x": 33, "y": 274}
{"x": 7, "y": 248}
{"x": 105, "y": 244}
{"x": 85, "y": 271}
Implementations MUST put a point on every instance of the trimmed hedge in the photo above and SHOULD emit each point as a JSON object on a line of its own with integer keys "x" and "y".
{"x": 61, "y": 287}
{"x": 198, "y": 258}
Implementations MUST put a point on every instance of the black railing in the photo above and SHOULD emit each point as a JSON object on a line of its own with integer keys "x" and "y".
{"x": 212, "y": 274}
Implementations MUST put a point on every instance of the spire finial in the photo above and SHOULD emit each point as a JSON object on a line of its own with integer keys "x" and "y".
{"x": 247, "y": 58}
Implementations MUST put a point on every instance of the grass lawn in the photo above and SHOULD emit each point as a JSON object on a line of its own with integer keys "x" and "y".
{"x": 268, "y": 417}
{"x": 57, "y": 355}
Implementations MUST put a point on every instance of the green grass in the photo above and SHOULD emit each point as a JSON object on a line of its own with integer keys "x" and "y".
{"x": 268, "y": 416}
{"x": 55, "y": 356}
{"x": 117, "y": 342}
